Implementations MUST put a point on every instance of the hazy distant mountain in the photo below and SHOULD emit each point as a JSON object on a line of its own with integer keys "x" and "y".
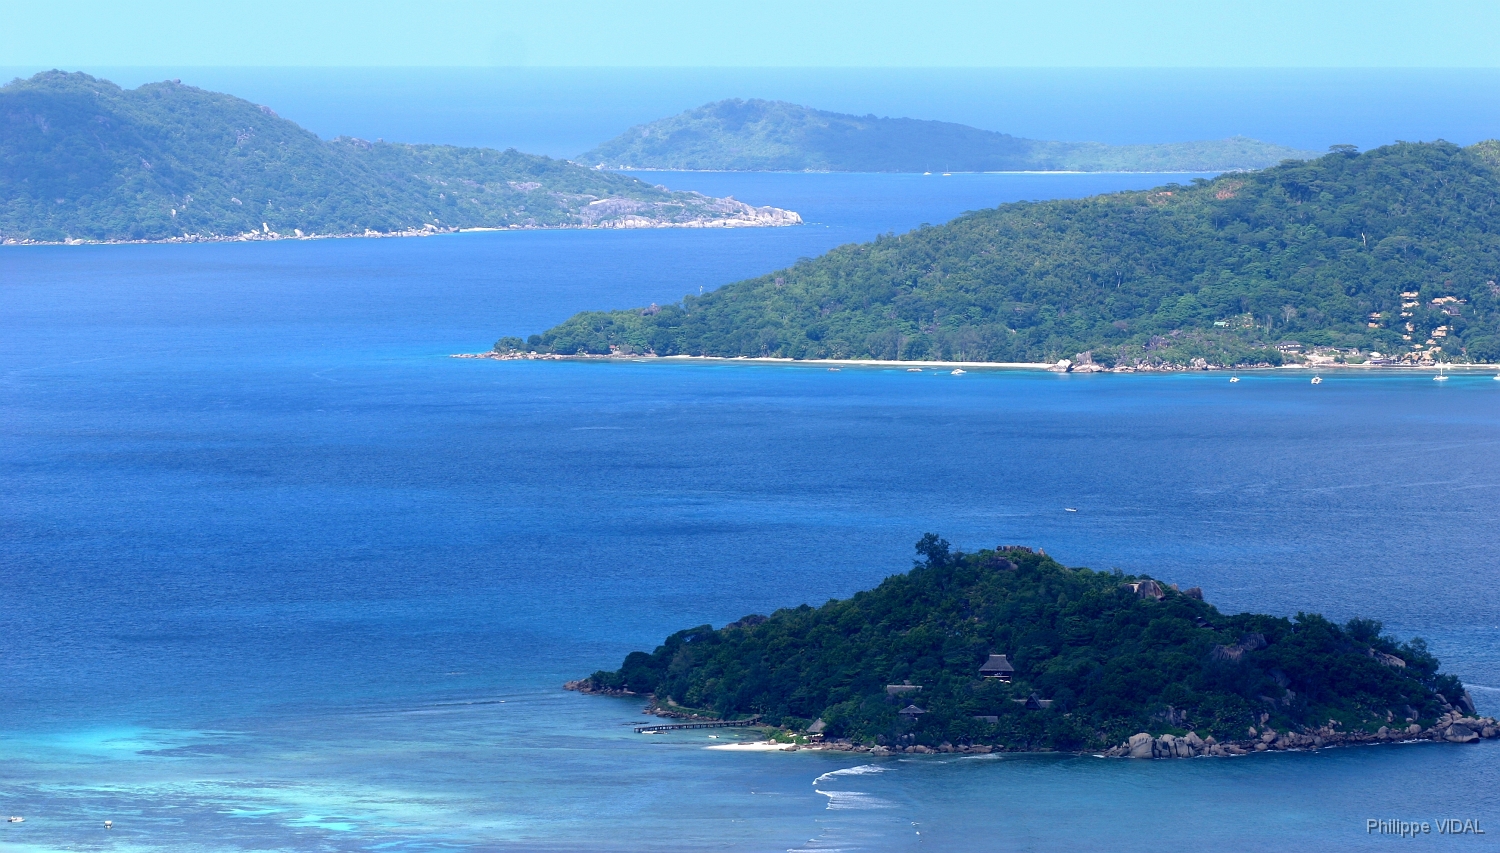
{"x": 81, "y": 158}
{"x": 757, "y": 135}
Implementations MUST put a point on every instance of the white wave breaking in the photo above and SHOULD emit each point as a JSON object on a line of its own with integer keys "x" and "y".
{"x": 859, "y": 770}
{"x": 853, "y": 801}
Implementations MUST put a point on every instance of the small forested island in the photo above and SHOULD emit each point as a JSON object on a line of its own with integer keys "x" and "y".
{"x": 775, "y": 136}
{"x": 1007, "y": 649}
{"x": 1389, "y": 255}
{"x": 85, "y": 160}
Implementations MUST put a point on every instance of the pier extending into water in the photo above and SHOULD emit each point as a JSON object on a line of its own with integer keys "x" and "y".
{"x": 715, "y": 724}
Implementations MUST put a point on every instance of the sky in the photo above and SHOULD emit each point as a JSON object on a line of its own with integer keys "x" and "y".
{"x": 762, "y": 33}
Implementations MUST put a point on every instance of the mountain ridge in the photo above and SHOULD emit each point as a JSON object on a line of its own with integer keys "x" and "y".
{"x": 1394, "y": 251}
{"x": 761, "y": 135}
{"x": 85, "y": 160}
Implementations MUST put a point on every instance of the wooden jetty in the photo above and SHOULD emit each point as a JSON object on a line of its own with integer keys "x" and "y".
{"x": 714, "y": 724}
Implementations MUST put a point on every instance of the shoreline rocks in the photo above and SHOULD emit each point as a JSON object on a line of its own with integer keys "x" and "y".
{"x": 1452, "y": 727}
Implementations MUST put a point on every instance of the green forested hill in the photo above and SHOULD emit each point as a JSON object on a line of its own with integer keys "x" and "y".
{"x": 82, "y": 158}
{"x": 1320, "y": 252}
{"x": 1107, "y": 655}
{"x": 756, "y": 135}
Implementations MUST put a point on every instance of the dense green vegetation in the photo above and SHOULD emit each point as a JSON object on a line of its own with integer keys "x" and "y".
{"x": 82, "y": 158}
{"x": 757, "y": 135}
{"x": 1111, "y": 661}
{"x": 1318, "y": 252}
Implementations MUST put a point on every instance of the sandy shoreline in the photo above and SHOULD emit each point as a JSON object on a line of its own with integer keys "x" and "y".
{"x": 752, "y": 746}
{"x": 837, "y": 363}
{"x": 269, "y": 236}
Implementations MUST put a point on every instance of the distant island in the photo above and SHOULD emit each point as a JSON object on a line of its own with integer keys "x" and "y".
{"x": 1007, "y": 649}
{"x": 775, "y": 136}
{"x": 1382, "y": 257}
{"x": 88, "y": 161}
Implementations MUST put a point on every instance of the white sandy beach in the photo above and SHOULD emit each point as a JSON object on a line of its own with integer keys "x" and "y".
{"x": 752, "y": 746}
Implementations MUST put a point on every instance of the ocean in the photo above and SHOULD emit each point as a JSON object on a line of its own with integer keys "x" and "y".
{"x": 279, "y": 574}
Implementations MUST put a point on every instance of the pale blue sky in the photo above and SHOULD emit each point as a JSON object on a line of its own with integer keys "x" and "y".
{"x": 1001, "y": 33}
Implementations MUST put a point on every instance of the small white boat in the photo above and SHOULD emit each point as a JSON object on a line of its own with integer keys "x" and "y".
{"x": 834, "y": 369}
{"x": 1497, "y": 377}
{"x": 913, "y": 370}
{"x": 959, "y": 371}
{"x": 1440, "y": 377}
{"x": 1070, "y": 509}
{"x": 1234, "y": 379}
{"x": 15, "y": 819}
{"x": 109, "y": 824}
{"x": 1317, "y": 380}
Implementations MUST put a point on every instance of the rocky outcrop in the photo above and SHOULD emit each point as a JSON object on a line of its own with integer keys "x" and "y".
{"x": 1452, "y": 727}
{"x": 1388, "y": 660}
{"x": 1141, "y": 746}
{"x": 699, "y": 212}
{"x": 1465, "y": 703}
{"x": 589, "y": 685}
{"x": 1233, "y": 654}
{"x": 1084, "y": 363}
{"x": 1460, "y": 733}
{"x": 1146, "y": 589}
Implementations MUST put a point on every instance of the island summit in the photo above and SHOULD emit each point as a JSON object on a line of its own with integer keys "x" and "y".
{"x": 1007, "y": 649}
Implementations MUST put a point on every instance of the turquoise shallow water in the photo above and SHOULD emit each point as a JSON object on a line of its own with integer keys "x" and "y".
{"x": 281, "y": 575}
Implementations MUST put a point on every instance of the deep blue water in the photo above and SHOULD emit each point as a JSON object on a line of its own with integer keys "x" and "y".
{"x": 278, "y": 574}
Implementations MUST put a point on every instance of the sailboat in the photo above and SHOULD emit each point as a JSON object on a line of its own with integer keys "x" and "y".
{"x": 1234, "y": 379}
{"x": 1317, "y": 380}
{"x": 1440, "y": 377}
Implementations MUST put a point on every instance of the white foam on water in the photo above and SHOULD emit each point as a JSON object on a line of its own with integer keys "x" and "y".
{"x": 860, "y": 770}
{"x": 853, "y": 801}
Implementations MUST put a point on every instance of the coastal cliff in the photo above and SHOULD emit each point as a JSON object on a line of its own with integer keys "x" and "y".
{"x": 1007, "y": 649}
{"x": 87, "y": 161}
